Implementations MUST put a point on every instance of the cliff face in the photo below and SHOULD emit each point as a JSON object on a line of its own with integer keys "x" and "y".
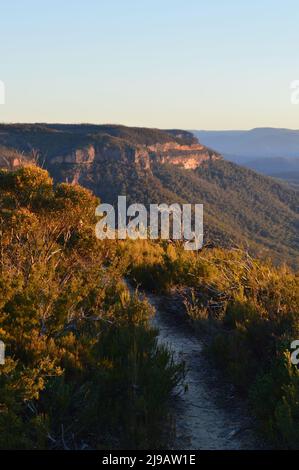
{"x": 78, "y": 156}
{"x": 187, "y": 156}
{"x": 91, "y": 158}
{"x": 77, "y": 153}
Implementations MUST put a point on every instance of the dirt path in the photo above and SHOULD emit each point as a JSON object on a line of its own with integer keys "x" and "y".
{"x": 208, "y": 415}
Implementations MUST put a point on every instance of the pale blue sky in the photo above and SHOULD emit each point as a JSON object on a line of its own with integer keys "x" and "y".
{"x": 216, "y": 64}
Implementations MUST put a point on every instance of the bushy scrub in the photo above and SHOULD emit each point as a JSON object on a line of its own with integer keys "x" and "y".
{"x": 83, "y": 368}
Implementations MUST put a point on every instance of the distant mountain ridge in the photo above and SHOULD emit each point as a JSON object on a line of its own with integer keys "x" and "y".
{"x": 271, "y": 151}
{"x": 157, "y": 166}
{"x": 242, "y": 146}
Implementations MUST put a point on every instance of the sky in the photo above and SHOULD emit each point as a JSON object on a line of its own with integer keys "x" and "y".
{"x": 192, "y": 64}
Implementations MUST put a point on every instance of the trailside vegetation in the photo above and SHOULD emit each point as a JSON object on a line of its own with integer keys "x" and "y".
{"x": 249, "y": 311}
{"x": 83, "y": 369}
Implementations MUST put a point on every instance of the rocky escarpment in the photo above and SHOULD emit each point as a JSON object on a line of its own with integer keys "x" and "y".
{"x": 187, "y": 156}
{"x": 77, "y": 153}
{"x": 142, "y": 156}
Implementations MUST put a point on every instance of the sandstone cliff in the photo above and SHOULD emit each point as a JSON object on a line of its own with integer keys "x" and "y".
{"x": 92, "y": 157}
{"x": 76, "y": 152}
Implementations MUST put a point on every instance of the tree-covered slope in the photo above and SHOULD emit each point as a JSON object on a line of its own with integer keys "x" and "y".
{"x": 240, "y": 206}
{"x": 243, "y": 205}
{"x": 156, "y": 166}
